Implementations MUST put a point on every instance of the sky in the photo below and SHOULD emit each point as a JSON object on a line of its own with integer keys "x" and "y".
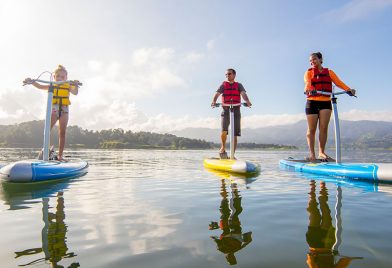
{"x": 155, "y": 65}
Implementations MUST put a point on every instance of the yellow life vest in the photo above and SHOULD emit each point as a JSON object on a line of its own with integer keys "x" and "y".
{"x": 61, "y": 94}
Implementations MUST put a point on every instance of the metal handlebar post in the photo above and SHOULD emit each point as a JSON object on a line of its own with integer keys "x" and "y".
{"x": 48, "y": 120}
{"x": 338, "y": 152}
{"x": 231, "y": 109}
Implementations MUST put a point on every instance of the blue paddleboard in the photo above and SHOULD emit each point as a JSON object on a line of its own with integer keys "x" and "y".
{"x": 39, "y": 170}
{"x": 363, "y": 171}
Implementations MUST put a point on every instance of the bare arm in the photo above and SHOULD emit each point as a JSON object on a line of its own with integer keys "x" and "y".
{"x": 246, "y": 99}
{"x": 339, "y": 83}
{"x": 214, "y": 99}
{"x": 74, "y": 89}
{"x": 307, "y": 80}
{"x": 29, "y": 81}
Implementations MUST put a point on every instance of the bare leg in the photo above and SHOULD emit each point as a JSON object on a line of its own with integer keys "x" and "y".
{"x": 325, "y": 115}
{"x": 223, "y": 141}
{"x": 235, "y": 143}
{"x": 310, "y": 134}
{"x": 63, "y": 122}
{"x": 53, "y": 121}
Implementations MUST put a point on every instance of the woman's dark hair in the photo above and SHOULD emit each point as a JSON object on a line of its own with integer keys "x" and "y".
{"x": 318, "y": 55}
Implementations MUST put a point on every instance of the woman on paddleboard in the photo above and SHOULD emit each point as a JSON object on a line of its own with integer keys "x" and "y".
{"x": 60, "y": 103}
{"x": 318, "y": 107}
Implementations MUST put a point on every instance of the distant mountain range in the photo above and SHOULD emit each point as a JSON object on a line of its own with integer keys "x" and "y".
{"x": 354, "y": 134}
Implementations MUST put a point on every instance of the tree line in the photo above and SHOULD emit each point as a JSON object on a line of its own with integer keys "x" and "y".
{"x": 30, "y": 135}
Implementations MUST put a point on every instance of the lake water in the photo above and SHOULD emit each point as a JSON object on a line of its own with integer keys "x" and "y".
{"x": 146, "y": 208}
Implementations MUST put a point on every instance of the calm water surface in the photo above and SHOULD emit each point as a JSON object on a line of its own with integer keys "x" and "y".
{"x": 145, "y": 208}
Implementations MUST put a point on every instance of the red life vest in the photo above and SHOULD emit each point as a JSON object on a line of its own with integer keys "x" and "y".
{"x": 321, "y": 81}
{"x": 231, "y": 93}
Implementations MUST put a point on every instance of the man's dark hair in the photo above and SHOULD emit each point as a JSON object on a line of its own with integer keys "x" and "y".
{"x": 232, "y": 70}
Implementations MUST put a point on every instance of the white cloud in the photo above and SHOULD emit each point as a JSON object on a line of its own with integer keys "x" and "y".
{"x": 119, "y": 113}
{"x": 356, "y": 115}
{"x": 152, "y": 56}
{"x": 95, "y": 65}
{"x": 20, "y": 105}
{"x": 193, "y": 57}
{"x": 151, "y": 71}
{"x": 111, "y": 89}
{"x": 109, "y": 92}
{"x": 163, "y": 123}
{"x": 129, "y": 117}
{"x": 266, "y": 120}
{"x": 357, "y": 9}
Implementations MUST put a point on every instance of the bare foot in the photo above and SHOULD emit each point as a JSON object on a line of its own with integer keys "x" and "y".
{"x": 223, "y": 155}
{"x": 326, "y": 158}
{"x": 323, "y": 156}
{"x": 311, "y": 158}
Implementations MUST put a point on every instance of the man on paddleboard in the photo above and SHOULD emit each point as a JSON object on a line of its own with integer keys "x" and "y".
{"x": 231, "y": 92}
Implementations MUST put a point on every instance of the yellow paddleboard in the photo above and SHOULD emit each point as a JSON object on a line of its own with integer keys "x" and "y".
{"x": 230, "y": 165}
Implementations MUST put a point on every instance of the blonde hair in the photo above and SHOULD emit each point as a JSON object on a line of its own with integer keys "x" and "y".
{"x": 59, "y": 69}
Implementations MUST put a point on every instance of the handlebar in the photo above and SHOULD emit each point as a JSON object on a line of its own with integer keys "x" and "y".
{"x": 231, "y": 105}
{"x": 314, "y": 92}
{"x": 57, "y": 82}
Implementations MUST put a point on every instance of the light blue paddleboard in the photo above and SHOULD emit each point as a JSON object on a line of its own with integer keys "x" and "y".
{"x": 364, "y": 171}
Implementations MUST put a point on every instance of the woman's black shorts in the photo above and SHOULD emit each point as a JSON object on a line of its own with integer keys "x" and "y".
{"x": 314, "y": 107}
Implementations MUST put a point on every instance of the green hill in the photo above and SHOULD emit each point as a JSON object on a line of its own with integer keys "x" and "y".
{"x": 29, "y": 134}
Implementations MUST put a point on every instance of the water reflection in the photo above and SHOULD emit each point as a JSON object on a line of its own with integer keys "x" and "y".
{"x": 232, "y": 238}
{"x": 322, "y": 237}
{"x": 239, "y": 179}
{"x": 54, "y": 231}
{"x": 366, "y": 185}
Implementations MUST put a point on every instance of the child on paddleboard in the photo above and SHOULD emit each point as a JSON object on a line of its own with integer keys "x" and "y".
{"x": 60, "y": 103}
